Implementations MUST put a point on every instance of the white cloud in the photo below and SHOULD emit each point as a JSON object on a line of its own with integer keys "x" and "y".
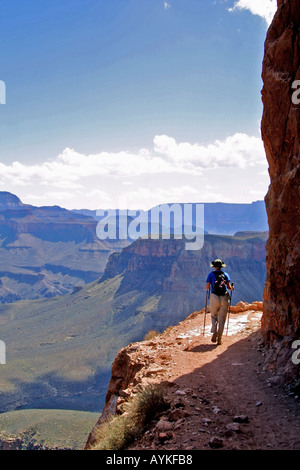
{"x": 166, "y": 5}
{"x": 70, "y": 168}
{"x": 264, "y": 8}
{"x": 169, "y": 172}
{"x": 239, "y": 150}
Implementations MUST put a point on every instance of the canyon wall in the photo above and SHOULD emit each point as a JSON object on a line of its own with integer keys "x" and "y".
{"x": 47, "y": 251}
{"x": 280, "y": 132}
{"x": 166, "y": 271}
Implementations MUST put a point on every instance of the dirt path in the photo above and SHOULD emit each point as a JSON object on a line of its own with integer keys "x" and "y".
{"x": 221, "y": 395}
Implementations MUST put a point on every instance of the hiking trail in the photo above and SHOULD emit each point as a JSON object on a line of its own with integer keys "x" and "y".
{"x": 221, "y": 396}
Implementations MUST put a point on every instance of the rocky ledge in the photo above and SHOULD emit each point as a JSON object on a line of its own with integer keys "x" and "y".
{"x": 218, "y": 396}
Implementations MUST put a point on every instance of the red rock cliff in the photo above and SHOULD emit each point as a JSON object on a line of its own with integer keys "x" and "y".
{"x": 280, "y": 132}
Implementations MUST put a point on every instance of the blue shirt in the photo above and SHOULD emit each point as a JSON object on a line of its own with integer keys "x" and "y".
{"x": 212, "y": 277}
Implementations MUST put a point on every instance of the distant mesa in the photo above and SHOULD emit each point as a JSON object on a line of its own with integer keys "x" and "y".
{"x": 9, "y": 201}
{"x": 47, "y": 251}
{"x": 220, "y": 218}
{"x": 250, "y": 234}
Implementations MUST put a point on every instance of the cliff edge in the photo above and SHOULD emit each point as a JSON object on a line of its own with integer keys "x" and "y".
{"x": 215, "y": 396}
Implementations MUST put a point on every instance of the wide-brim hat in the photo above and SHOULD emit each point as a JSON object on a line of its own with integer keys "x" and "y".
{"x": 217, "y": 263}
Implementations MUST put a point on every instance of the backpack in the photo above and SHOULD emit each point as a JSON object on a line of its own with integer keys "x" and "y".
{"x": 219, "y": 287}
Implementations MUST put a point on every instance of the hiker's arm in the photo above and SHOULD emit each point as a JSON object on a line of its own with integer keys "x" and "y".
{"x": 207, "y": 285}
{"x": 229, "y": 286}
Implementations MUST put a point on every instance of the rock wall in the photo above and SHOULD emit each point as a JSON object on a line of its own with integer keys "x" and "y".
{"x": 280, "y": 132}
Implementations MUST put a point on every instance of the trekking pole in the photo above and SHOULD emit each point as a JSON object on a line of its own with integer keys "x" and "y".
{"x": 206, "y": 302}
{"x": 230, "y": 296}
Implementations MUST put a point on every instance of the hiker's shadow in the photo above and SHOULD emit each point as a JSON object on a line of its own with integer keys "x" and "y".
{"x": 201, "y": 348}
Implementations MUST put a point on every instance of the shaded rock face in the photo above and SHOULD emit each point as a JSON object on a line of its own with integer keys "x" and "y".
{"x": 280, "y": 132}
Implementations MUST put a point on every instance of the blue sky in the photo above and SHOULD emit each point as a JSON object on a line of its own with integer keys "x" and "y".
{"x": 131, "y": 103}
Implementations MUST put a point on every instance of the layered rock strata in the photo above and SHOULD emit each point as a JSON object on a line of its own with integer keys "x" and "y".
{"x": 280, "y": 132}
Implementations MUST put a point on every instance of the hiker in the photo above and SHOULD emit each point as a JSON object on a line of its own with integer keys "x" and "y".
{"x": 219, "y": 282}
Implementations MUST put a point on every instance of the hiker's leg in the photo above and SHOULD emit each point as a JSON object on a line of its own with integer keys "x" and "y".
{"x": 214, "y": 322}
{"x": 214, "y": 306}
{"x": 224, "y": 300}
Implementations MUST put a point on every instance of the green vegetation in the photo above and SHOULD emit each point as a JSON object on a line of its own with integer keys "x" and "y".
{"x": 48, "y": 428}
{"x": 151, "y": 334}
{"x": 65, "y": 344}
{"x": 117, "y": 432}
